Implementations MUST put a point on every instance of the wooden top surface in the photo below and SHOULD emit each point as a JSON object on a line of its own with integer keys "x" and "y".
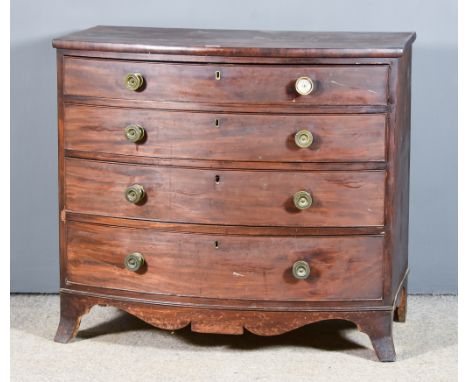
{"x": 237, "y": 42}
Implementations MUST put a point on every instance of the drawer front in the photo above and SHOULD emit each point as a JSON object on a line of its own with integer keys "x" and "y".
{"x": 239, "y": 267}
{"x": 236, "y": 137}
{"x": 237, "y": 84}
{"x": 251, "y": 198}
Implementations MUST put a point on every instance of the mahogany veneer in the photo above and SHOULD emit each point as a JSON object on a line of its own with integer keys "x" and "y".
{"x": 337, "y": 138}
{"x": 226, "y": 267}
{"x": 233, "y": 180}
{"x": 255, "y": 84}
{"x": 227, "y": 197}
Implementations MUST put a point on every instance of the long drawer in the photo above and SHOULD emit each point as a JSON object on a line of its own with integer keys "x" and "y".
{"x": 235, "y": 137}
{"x": 227, "y": 197}
{"x": 216, "y": 266}
{"x": 227, "y": 84}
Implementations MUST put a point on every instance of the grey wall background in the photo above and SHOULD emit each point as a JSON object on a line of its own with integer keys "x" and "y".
{"x": 433, "y": 213}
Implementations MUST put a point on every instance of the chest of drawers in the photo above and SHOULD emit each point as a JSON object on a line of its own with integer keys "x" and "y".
{"x": 235, "y": 180}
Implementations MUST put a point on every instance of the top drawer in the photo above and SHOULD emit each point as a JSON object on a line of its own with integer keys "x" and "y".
{"x": 228, "y": 84}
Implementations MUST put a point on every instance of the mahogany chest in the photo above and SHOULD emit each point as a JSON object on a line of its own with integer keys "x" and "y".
{"x": 235, "y": 180}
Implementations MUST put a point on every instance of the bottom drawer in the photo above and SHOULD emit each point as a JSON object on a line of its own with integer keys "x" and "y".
{"x": 226, "y": 267}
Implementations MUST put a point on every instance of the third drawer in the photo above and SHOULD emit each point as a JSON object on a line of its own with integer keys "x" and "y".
{"x": 226, "y": 197}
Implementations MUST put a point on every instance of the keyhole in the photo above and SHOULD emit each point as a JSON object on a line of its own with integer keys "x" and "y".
{"x": 216, "y": 123}
{"x": 218, "y": 75}
{"x": 217, "y": 178}
{"x": 216, "y": 244}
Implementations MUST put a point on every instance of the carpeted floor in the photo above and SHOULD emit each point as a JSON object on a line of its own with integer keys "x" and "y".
{"x": 114, "y": 346}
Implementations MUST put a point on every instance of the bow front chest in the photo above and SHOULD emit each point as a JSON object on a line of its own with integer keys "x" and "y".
{"x": 235, "y": 180}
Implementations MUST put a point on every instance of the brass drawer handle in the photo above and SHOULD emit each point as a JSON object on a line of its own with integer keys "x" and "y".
{"x": 304, "y": 85}
{"x": 301, "y": 270}
{"x": 302, "y": 200}
{"x": 135, "y": 193}
{"x": 134, "y": 81}
{"x": 134, "y": 133}
{"x": 303, "y": 139}
{"x": 134, "y": 261}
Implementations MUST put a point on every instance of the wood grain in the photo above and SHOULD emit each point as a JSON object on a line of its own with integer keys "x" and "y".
{"x": 223, "y": 230}
{"x": 241, "y": 84}
{"x": 240, "y": 43}
{"x": 250, "y": 198}
{"x": 355, "y": 236}
{"x": 376, "y": 324}
{"x": 399, "y": 170}
{"x": 285, "y": 108}
{"x": 223, "y": 267}
{"x": 226, "y": 136}
{"x": 227, "y": 164}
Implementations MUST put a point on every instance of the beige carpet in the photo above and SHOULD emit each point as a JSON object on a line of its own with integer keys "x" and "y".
{"x": 114, "y": 346}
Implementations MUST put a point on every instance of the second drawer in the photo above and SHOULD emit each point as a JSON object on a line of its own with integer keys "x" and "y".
{"x": 226, "y": 197}
{"x": 236, "y": 137}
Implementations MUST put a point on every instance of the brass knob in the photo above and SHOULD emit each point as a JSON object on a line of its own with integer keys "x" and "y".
{"x": 135, "y": 194}
{"x": 134, "y": 261}
{"x": 134, "y": 133}
{"x": 302, "y": 200}
{"x": 301, "y": 270}
{"x": 134, "y": 81}
{"x": 303, "y": 139}
{"x": 304, "y": 85}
